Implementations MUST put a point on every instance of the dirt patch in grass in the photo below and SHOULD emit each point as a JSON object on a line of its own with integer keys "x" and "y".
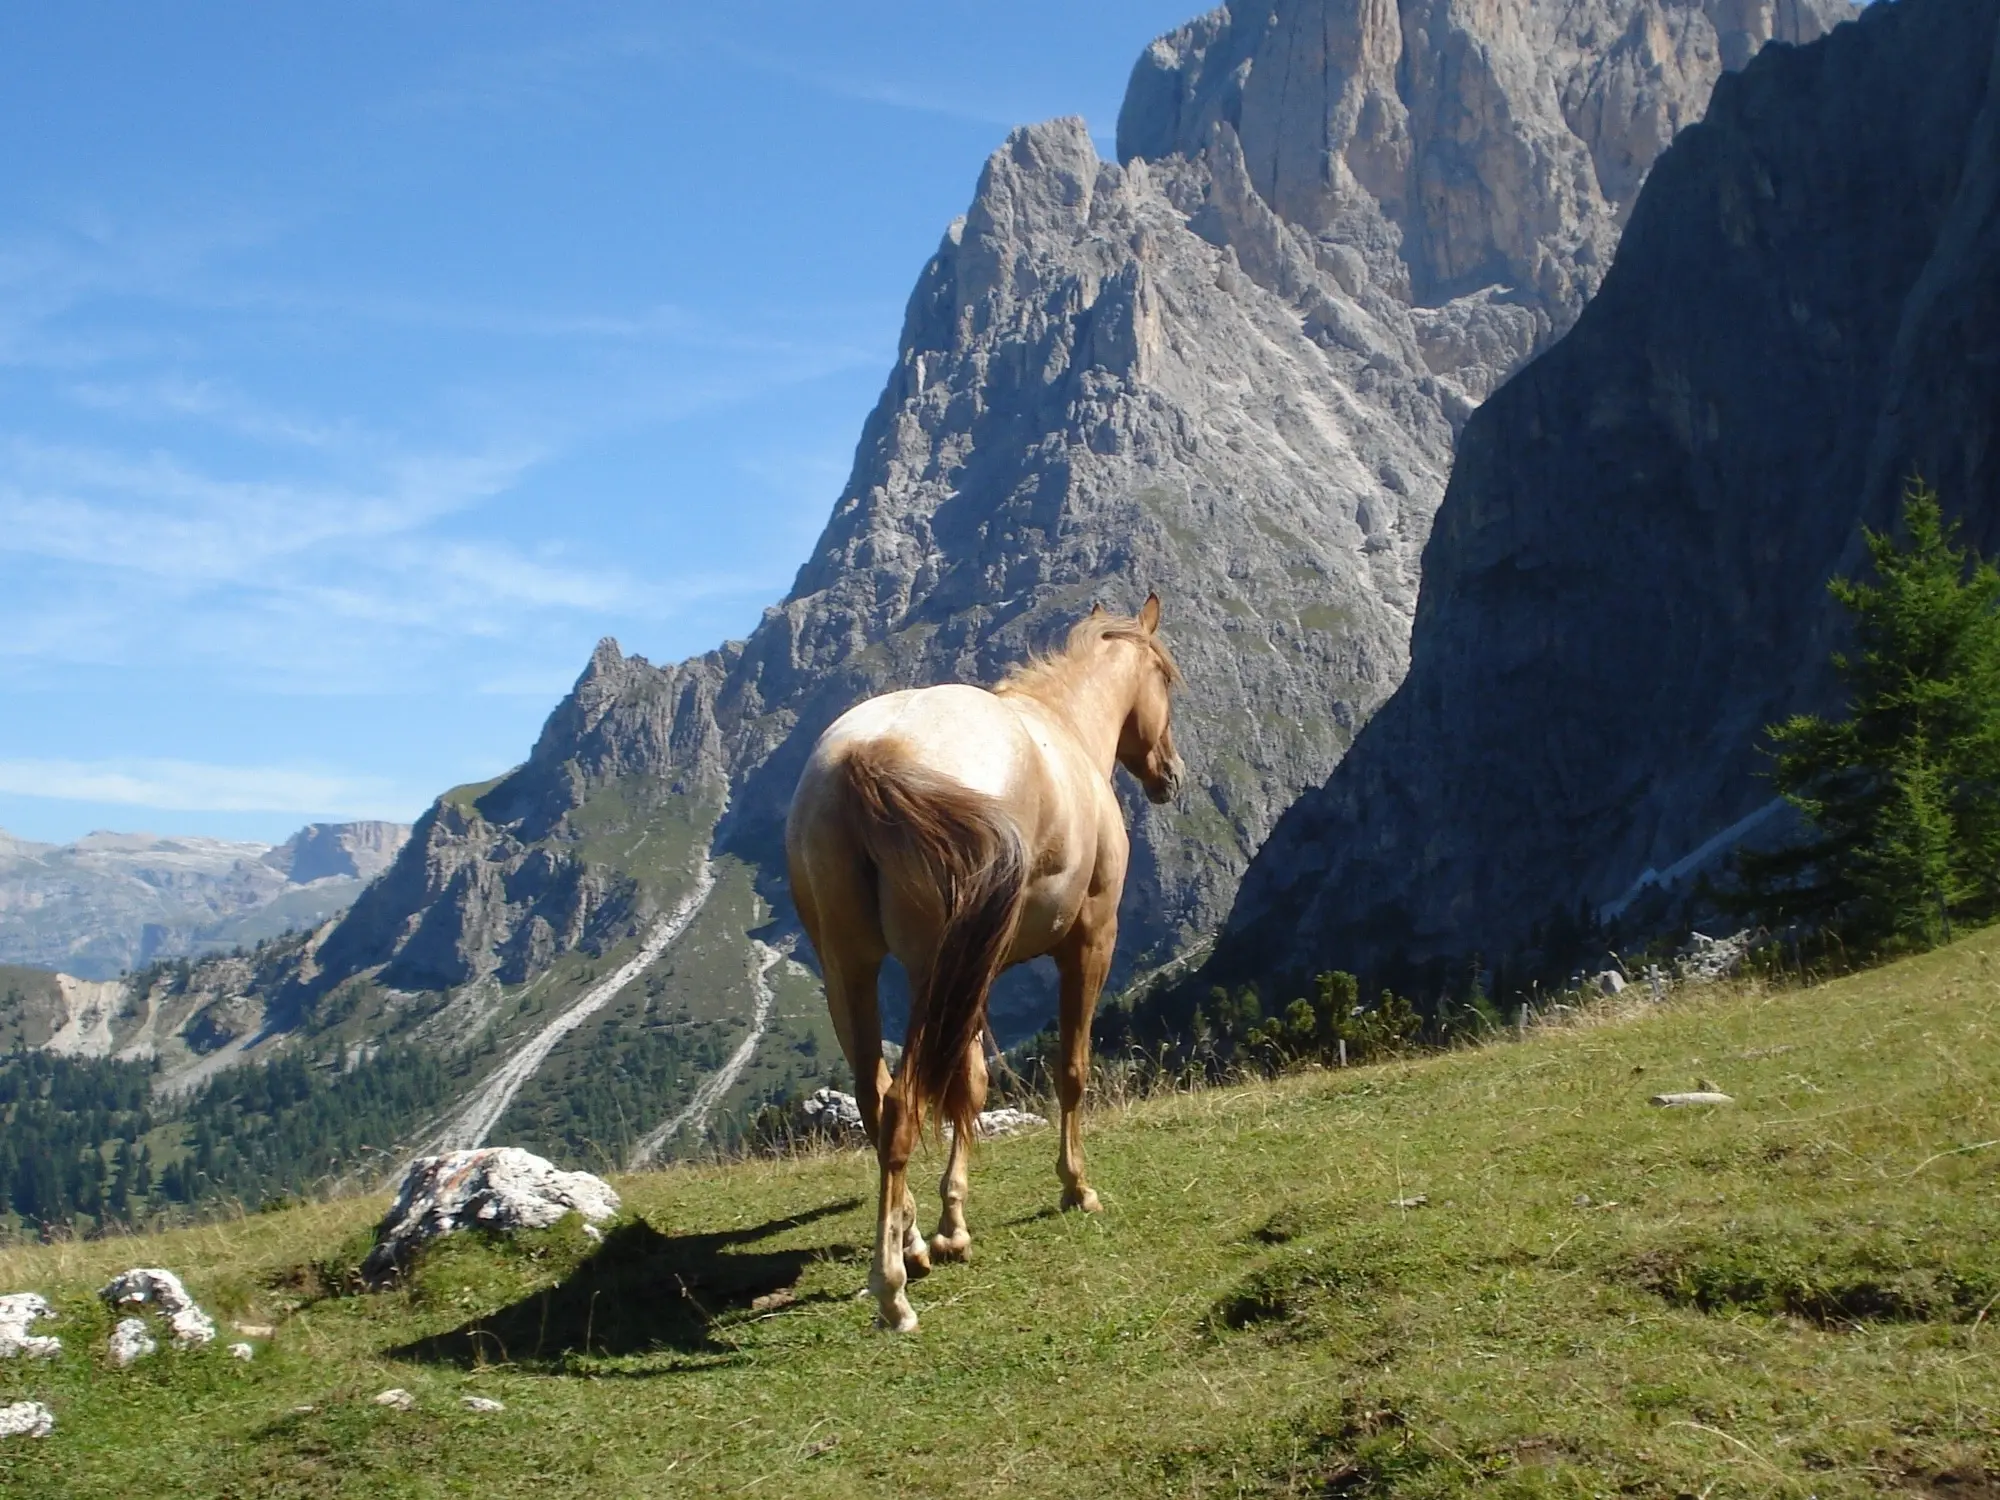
{"x": 1832, "y": 1283}
{"x": 1961, "y": 1482}
{"x": 1290, "y": 1285}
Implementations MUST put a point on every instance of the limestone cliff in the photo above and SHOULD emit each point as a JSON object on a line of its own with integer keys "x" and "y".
{"x": 1627, "y": 578}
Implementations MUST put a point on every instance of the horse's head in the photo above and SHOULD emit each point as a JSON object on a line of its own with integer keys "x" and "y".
{"x": 1146, "y": 739}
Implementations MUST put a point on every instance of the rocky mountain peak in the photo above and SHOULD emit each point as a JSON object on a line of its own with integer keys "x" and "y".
{"x": 1228, "y": 367}
{"x": 1454, "y": 145}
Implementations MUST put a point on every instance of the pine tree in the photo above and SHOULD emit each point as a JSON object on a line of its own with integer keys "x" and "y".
{"x": 1903, "y": 795}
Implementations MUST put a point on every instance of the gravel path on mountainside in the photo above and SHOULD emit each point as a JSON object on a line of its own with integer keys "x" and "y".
{"x": 724, "y": 1078}
{"x": 486, "y": 1107}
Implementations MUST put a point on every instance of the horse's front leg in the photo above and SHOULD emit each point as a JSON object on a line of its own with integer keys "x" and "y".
{"x": 953, "y": 1241}
{"x": 1082, "y": 961}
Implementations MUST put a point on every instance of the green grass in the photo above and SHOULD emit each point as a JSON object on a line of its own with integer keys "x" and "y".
{"x": 1789, "y": 1297}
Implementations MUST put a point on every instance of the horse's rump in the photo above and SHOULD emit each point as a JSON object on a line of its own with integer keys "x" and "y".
{"x": 924, "y": 830}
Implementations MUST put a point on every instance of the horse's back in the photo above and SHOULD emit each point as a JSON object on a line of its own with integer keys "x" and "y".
{"x": 965, "y": 734}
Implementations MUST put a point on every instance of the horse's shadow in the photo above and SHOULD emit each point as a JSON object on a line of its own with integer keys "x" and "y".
{"x": 639, "y": 1291}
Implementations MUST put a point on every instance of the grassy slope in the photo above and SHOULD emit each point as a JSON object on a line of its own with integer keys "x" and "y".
{"x": 1783, "y": 1298}
{"x": 30, "y": 1006}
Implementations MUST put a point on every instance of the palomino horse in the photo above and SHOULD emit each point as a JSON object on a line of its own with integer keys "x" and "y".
{"x": 965, "y": 831}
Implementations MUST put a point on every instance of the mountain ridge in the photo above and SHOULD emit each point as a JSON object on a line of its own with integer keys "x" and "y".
{"x": 111, "y": 902}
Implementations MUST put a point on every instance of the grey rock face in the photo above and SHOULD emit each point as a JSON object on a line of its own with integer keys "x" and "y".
{"x": 338, "y": 851}
{"x": 1228, "y": 368}
{"x": 114, "y": 901}
{"x": 1627, "y": 578}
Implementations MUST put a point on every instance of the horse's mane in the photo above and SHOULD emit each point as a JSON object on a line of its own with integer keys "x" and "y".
{"x": 1051, "y": 670}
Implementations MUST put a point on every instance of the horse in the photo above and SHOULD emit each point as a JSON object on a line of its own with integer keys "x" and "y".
{"x": 965, "y": 831}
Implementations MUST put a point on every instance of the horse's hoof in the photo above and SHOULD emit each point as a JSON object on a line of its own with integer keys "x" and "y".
{"x": 951, "y": 1246}
{"x": 1085, "y": 1200}
{"x": 916, "y": 1261}
{"x": 901, "y": 1319}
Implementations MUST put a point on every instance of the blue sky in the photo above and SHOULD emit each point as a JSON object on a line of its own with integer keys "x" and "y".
{"x": 361, "y": 365}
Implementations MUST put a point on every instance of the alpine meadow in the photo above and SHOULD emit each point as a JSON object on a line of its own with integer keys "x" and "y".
{"x": 1382, "y": 758}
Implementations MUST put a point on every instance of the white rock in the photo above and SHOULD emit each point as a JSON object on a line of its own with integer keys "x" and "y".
{"x": 994, "y": 1123}
{"x": 495, "y": 1187}
{"x": 832, "y": 1113}
{"x": 397, "y": 1398}
{"x": 145, "y": 1286}
{"x": 1610, "y": 982}
{"x": 17, "y": 1311}
{"x": 130, "y": 1341}
{"x": 26, "y": 1419}
{"x": 1705, "y": 959}
{"x": 255, "y": 1330}
{"x": 243, "y": 1352}
{"x": 1693, "y": 1099}
{"x": 481, "y": 1403}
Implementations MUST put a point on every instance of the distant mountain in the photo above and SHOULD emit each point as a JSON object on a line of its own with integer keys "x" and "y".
{"x": 1628, "y": 577}
{"x": 115, "y": 901}
{"x": 1230, "y": 366}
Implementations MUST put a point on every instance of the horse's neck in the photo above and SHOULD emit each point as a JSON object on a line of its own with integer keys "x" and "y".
{"x": 1095, "y": 702}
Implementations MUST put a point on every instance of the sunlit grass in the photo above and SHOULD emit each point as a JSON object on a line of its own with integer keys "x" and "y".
{"x": 1790, "y": 1296}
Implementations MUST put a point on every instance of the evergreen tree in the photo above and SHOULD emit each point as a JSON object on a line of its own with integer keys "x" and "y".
{"x": 1903, "y": 795}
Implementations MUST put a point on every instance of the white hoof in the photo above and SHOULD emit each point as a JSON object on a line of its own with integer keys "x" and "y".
{"x": 899, "y": 1317}
{"x": 1085, "y": 1200}
{"x": 951, "y": 1246}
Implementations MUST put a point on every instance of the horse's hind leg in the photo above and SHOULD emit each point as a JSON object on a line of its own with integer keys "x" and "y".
{"x": 857, "y": 1021}
{"x": 953, "y": 1241}
{"x": 1081, "y": 962}
{"x": 895, "y": 1212}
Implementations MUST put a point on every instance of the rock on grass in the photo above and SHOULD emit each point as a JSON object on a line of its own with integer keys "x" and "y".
{"x": 499, "y": 1187}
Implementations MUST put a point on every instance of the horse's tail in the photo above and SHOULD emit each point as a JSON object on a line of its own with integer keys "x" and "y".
{"x": 923, "y": 830}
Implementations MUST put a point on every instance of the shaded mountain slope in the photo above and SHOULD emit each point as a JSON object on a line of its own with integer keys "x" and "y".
{"x": 1627, "y": 578}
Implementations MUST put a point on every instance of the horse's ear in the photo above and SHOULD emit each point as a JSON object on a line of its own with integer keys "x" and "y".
{"x": 1149, "y": 613}
{"x": 1097, "y": 609}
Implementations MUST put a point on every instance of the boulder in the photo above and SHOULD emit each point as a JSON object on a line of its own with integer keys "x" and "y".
{"x": 994, "y": 1123}
{"x": 17, "y": 1312}
{"x": 1705, "y": 959}
{"x": 831, "y": 1113}
{"x": 1610, "y": 982}
{"x": 144, "y": 1286}
{"x": 500, "y": 1188}
{"x": 130, "y": 1342}
{"x": 26, "y": 1419}
{"x": 837, "y": 1116}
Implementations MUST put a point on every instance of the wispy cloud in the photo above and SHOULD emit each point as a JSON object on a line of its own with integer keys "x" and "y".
{"x": 548, "y": 77}
{"x": 865, "y": 90}
{"x": 191, "y": 786}
{"x": 157, "y": 515}
{"x": 174, "y": 398}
